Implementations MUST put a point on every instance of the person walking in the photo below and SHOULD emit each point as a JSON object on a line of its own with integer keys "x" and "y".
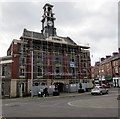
{"x": 46, "y": 92}
{"x": 40, "y": 93}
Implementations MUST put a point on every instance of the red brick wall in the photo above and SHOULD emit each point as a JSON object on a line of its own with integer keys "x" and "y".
{"x": 29, "y": 66}
{"x": 15, "y": 67}
{"x": 15, "y": 70}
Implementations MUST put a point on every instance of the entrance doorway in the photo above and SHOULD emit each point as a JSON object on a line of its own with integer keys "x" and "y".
{"x": 59, "y": 86}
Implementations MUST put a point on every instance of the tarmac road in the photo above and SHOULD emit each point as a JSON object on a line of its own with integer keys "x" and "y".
{"x": 66, "y": 105}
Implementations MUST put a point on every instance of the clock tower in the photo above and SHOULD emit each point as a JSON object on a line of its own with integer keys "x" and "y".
{"x": 48, "y": 28}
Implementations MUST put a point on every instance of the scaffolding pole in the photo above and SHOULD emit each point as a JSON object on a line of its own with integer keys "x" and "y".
{"x": 31, "y": 73}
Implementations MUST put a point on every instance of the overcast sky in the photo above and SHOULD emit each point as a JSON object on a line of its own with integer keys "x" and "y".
{"x": 93, "y": 22}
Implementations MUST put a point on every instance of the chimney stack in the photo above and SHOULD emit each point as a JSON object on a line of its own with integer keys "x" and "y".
{"x": 102, "y": 59}
{"x": 108, "y": 56}
{"x": 115, "y": 53}
{"x": 97, "y": 63}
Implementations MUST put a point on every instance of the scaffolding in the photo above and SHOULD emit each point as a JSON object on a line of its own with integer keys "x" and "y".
{"x": 54, "y": 60}
{"x": 54, "y": 57}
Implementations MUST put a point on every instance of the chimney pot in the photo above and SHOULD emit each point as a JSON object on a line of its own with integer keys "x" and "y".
{"x": 102, "y": 59}
{"x": 115, "y": 53}
{"x": 108, "y": 56}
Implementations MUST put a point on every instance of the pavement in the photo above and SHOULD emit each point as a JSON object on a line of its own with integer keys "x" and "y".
{"x": 73, "y": 94}
{"x": 64, "y": 94}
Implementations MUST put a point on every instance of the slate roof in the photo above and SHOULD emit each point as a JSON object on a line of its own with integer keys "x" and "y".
{"x": 32, "y": 34}
{"x": 115, "y": 57}
{"x": 39, "y": 36}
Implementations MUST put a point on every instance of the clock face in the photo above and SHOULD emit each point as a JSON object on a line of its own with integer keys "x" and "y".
{"x": 50, "y": 23}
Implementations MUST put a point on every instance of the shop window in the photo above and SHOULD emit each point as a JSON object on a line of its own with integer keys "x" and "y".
{"x": 84, "y": 73}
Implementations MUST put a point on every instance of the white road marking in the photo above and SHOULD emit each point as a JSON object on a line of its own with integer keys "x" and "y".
{"x": 95, "y": 103}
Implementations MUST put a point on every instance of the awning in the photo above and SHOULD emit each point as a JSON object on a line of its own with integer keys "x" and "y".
{"x": 108, "y": 78}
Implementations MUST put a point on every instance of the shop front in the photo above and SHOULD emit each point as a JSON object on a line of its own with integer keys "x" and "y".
{"x": 116, "y": 81}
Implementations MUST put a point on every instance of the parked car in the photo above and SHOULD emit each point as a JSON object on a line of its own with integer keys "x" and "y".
{"x": 106, "y": 85}
{"x": 97, "y": 85}
{"x": 99, "y": 90}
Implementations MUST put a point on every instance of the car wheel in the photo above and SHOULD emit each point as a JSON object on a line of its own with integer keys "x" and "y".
{"x": 107, "y": 92}
{"x": 101, "y": 93}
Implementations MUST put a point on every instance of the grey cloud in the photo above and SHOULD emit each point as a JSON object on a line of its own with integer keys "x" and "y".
{"x": 19, "y": 15}
{"x": 100, "y": 23}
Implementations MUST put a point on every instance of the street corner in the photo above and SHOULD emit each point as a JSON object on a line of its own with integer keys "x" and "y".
{"x": 95, "y": 103}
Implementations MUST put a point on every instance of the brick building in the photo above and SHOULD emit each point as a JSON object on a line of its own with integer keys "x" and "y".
{"x": 109, "y": 69}
{"x": 47, "y": 58}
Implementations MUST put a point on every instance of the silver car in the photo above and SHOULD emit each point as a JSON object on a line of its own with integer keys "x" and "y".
{"x": 99, "y": 90}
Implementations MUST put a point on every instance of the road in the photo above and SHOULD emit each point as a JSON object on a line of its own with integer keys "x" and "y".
{"x": 84, "y": 105}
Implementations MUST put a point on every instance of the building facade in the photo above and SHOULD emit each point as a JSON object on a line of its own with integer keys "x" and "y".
{"x": 109, "y": 69}
{"x": 46, "y": 58}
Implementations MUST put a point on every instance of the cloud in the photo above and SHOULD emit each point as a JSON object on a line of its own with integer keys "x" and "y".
{"x": 92, "y": 22}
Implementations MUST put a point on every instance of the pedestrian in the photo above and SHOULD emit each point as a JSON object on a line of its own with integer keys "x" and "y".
{"x": 40, "y": 93}
{"x": 46, "y": 92}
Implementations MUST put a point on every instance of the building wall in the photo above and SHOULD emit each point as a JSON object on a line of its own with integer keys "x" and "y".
{"x": 6, "y": 88}
{"x": 109, "y": 67}
{"x": 116, "y": 67}
{"x": 15, "y": 69}
{"x": 58, "y": 61}
{"x": 52, "y": 61}
{"x": 95, "y": 70}
{"x": 13, "y": 90}
{"x": 5, "y": 75}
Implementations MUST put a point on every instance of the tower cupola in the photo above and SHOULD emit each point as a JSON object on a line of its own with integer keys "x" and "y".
{"x": 48, "y": 28}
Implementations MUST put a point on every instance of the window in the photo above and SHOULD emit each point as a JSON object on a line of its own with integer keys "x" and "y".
{"x": 58, "y": 59}
{"x": 72, "y": 70}
{"x": 22, "y": 72}
{"x": 116, "y": 70}
{"x": 39, "y": 55}
{"x": 56, "y": 39}
{"x": 113, "y": 63}
{"x": 3, "y": 71}
{"x": 39, "y": 71}
{"x": 84, "y": 55}
{"x": 73, "y": 59}
{"x": 57, "y": 70}
{"x": 85, "y": 64}
{"x": 84, "y": 73}
{"x": 116, "y": 62}
{"x": 23, "y": 60}
{"x": 108, "y": 71}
